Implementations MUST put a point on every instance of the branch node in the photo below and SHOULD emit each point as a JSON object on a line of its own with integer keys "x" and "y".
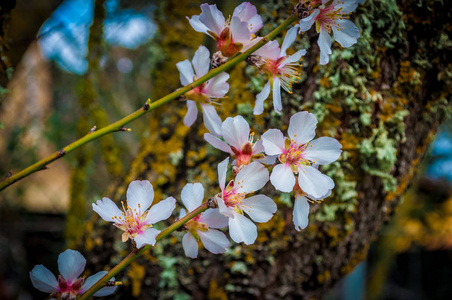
{"x": 113, "y": 283}
{"x": 10, "y": 173}
{"x": 146, "y": 106}
{"x": 124, "y": 129}
{"x": 92, "y": 129}
{"x": 61, "y": 152}
{"x": 212, "y": 203}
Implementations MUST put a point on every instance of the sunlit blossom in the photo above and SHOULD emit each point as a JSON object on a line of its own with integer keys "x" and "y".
{"x": 135, "y": 219}
{"x": 68, "y": 286}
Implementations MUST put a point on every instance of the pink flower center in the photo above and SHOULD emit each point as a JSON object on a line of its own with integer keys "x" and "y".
{"x": 294, "y": 155}
{"x": 231, "y": 197}
{"x": 198, "y": 94}
{"x": 288, "y": 74}
{"x": 68, "y": 290}
{"x": 132, "y": 221}
{"x": 328, "y": 16}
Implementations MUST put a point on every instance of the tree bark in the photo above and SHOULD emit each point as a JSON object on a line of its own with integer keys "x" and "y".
{"x": 383, "y": 98}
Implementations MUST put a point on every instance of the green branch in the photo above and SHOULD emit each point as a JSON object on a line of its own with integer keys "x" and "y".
{"x": 137, "y": 252}
{"x": 149, "y": 106}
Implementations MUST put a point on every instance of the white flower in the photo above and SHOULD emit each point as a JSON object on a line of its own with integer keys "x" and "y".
{"x": 233, "y": 204}
{"x": 232, "y": 35}
{"x": 300, "y": 156}
{"x": 70, "y": 264}
{"x": 281, "y": 68}
{"x": 199, "y": 227}
{"x": 331, "y": 16}
{"x": 237, "y": 141}
{"x": 135, "y": 219}
{"x": 200, "y": 97}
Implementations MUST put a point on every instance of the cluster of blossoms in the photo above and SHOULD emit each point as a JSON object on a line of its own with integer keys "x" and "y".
{"x": 291, "y": 164}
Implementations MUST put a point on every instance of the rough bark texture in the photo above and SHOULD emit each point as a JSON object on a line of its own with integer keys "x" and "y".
{"x": 382, "y": 98}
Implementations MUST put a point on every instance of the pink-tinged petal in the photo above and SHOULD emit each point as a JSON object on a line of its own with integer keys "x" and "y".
{"x": 197, "y": 24}
{"x": 260, "y": 98}
{"x": 90, "y": 281}
{"x": 236, "y": 131}
{"x": 192, "y": 113}
{"x": 161, "y": 211}
{"x": 43, "y": 279}
{"x": 348, "y": 33}
{"x": 190, "y": 245}
{"x": 258, "y": 147}
{"x": 293, "y": 58}
{"x": 301, "y": 213}
{"x": 107, "y": 209}
{"x": 252, "y": 43}
{"x": 245, "y": 11}
{"x": 223, "y": 209}
{"x": 282, "y": 178}
{"x": 270, "y": 50}
{"x": 313, "y": 182}
{"x": 146, "y": 237}
{"x": 240, "y": 31}
{"x": 255, "y": 24}
{"x": 242, "y": 229}
{"x": 212, "y": 18}
{"x": 201, "y": 61}
{"x": 217, "y": 87}
{"x": 186, "y": 72}
{"x": 251, "y": 178}
{"x": 213, "y": 218}
{"x": 302, "y": 127}
{"x": 323, "y": 150}
{"x": 71, "y": 264}
{"x": 222, "y": 170}
{"x": 140, "y": 195}
{"x": 192, "y": 195}
{"x": 306, "y": 23}
{"x": 273, "y": 141}
{"x": 260, "y": 208}
{"x": 324, "y": 43}
{"x": 212, "y": 120}
{"x": 213, "y": 240}
{"x": 277, "y": 106}
{"x": 217, "y": 143}
{"x": 290, "y": 37}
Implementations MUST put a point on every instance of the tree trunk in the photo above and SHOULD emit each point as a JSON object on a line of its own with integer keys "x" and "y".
{"x": 383, "y": 98}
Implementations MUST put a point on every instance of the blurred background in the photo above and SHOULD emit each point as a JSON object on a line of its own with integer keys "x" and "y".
{"x": 57, "y": 76}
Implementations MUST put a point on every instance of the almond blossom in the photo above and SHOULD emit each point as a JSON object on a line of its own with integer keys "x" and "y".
{"x": 232, "y": 201}
{"x": 68, "y": 286}
{"x": 281, "y": 68}
{"x": 300, "y": 157}
{"x": 231, "y": 35}
{"x": 135, "y": 219}
{"x": 330, "y": 16}
{"x": 201, "y": 96}
{"x": 200, "y": 227}
{"x": 237, "y": 141}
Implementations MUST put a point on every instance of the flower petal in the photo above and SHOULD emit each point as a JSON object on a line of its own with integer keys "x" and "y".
{"x": 71, "y": 264}
{"x": 260, "y": 98}
{"x": 270, "y": 50}
{"x": 217, "y": 87}
{"x": 197, "y": 24}
{"x": 161, "y": 211}
{"x": 277, "y": 106}
{"x": 255, "y": 24}
{"x": 301, "y": 213}
{"x": 90, "y": 281}
{"x": 348, "y": 33}
{"x": 242, "y": 229}
{"x": 245, "y": 11}
{"x": 293, "y": 58}
{"x": 302, "y": 127}
{"x": 43, "y": 279}
{"x": 212, "y": 18}
{"x": 290, "y": 37}
{"x": 240, "y": 31}
{"x": 217, "y": 143}
{"x": 306, "y": 23}
{"x": 222, "y": 170}
{"x": 324, "y": 43}
{"x": 251, "y": 178}
{"x": 214, "y": 240}
{"x": 212, "y": 120}
{"x": 186, "y": 72}
{"x": 146, "y": 237}
{"x": 213, "y": 218}
{"x": 192, "y": 113}
{"x": 258, "y": 147}
{"x": 260, "y": 208}
{"x": 140, "y": 195}
{"x": 282, "y": 178}
{"x": 107, "y": 209}
{"x": 313, "y": 182}
{"x": 273, "y": 141}
{"x": 201, "y": 61}
{"x": 190, "y": 245}
{"x": 223, "y": 209}
{"x": 236, "y": 131}
{"x": 192, "y": 195}
{"x": 348, "y": 6}
{"x": 323, "y": 150}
